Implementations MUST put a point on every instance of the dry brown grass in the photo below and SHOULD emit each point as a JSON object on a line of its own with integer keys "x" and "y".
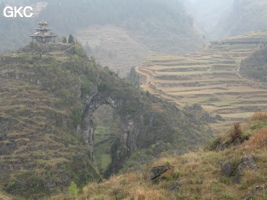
{"x": 258, "y": 140}
{"x": 142, "y": 193}
{"x": 165, "y": 161}
{"x": 198, "y": 174}
{"x": 259, "y": 116}
{"x": 130, "y": 186}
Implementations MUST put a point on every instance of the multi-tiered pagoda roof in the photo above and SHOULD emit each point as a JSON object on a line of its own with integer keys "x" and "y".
{"x": 43, "y": 34}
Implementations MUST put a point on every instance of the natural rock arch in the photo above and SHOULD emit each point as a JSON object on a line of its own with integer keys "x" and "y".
{"x": 130, "y": 131}
{"x": 140, "y": 123}
{"x": 146, "y": 120}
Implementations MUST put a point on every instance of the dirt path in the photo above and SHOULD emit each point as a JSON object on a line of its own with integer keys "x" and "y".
{"x": 147, "y": 85}
{"x": 237, "y": 69}
{"x": 4, "y": 197}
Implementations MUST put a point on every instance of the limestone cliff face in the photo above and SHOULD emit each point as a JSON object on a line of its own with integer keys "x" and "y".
{"x": 146, "y": 120}
{"x": 46, "y": 127}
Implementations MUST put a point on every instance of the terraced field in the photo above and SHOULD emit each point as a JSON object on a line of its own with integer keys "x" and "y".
{"x": 209, "y": 77}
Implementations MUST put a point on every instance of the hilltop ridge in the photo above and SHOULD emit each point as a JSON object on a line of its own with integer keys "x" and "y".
{"x": 48, "y": 95}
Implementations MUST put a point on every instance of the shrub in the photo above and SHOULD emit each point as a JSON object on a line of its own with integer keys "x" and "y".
{"x": 76, "y": 117}
{"x": 22, "y": 107}
{"x": 212, "y": 144}
{"x": 73, "y": 190}
{"x": 259, "y": 117}
{"x": 236, "y": 131}
{"x": 123, "y": 181}
{"x": 103, "y": 87}
{"x": 71, "y": 39}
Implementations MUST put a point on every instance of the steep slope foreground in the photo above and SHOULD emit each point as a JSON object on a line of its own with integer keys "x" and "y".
{"x": 231, "y": 167}
{"x": 47, "y": 97}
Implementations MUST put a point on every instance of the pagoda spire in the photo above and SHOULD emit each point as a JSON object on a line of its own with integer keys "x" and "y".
{"x": 43, "y": 34}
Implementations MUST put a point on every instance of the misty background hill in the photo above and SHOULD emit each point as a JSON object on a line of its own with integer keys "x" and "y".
{"x": 119, "y": 33}
{"x": 207, "y": 14}
{"x": 244, "y": 16}
{"x": 223, "y": 18}
{"x": 122, "y": 33}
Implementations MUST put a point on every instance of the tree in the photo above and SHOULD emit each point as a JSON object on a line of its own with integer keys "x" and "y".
{"x": 73, "y": 190}
{"x": 64, "y": 40}
{"x": 71, "y": 39}
{"x": 88, "y": 48}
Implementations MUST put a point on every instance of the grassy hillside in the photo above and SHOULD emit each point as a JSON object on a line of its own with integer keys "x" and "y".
{"x": 40, "y": 109}
{"x": 196, "y": 175}
{"x": 47, "y": 98}
{"x": 209, "y": 77}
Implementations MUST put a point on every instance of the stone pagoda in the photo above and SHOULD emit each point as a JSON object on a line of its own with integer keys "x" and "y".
{"x": 43, "y": 34}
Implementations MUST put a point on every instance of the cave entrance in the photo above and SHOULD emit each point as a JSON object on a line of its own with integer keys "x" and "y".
{"x": 107, "y": 129}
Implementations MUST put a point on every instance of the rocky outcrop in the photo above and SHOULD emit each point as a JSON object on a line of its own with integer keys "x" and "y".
{"x": 254, "y": 191}
{"x": 233, "y": 142}
{"x": 226, "y": 169}
{"x": 247, "y": 161}
{"x": 155, "y": 173}
{"x": 175, "y": 186}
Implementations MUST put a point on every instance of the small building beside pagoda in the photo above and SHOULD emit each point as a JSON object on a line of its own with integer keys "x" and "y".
{"x": 43, "y": 34}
